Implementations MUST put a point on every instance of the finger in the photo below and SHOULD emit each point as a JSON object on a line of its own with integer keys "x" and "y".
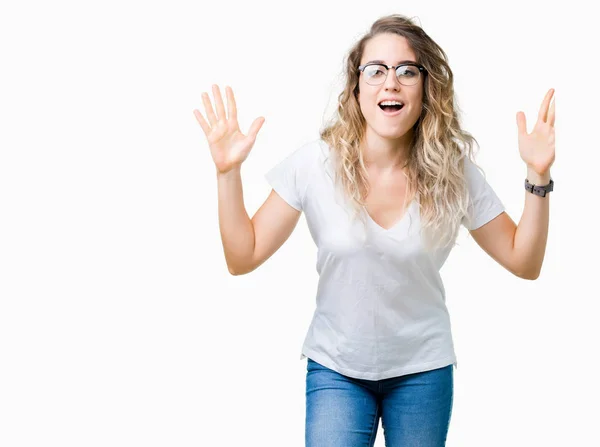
{"x": 255, "y": 127}
{"x": 231, "y": 106}
{"x": 210, "y": 114}
{"x": 202, "y": 121}
{"x": 521, "y": 123}
{"x": 542, "y": 115}
{"x": 552, "y": 113}
{"x": 219, "y": 103}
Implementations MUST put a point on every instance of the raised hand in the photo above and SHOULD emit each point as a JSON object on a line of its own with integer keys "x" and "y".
{"x": 229, "y": 147}
{"x": 537, "y": 148}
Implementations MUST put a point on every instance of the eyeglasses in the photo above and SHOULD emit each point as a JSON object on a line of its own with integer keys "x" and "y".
{"x": 407, "y": 74}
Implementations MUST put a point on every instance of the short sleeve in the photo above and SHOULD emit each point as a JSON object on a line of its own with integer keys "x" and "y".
{"x": 290, "y": 177}
{"x": 484, "y": 204}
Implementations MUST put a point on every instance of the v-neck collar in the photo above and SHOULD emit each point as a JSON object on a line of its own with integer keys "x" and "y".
{"x": 396, "y": 225}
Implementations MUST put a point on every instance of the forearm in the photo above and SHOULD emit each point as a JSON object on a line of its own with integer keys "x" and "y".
{"x": 532, "y": 232}
{"x": 237, "y": 231}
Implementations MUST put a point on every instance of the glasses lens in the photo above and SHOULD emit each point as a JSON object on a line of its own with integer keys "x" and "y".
{"x": 408, "y": 74}
{"x": 375, "y": 74}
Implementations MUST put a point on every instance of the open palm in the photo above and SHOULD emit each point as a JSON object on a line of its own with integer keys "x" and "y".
{"x": 537, "y": 148}
{"x": 229, "y": 147}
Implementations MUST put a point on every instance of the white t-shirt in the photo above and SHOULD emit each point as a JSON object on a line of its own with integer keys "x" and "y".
{"x": 380, "y": 304}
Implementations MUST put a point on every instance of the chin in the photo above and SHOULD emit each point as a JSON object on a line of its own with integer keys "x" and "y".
{"x": 391, "y": 131}
{"x": 392, "y": 134}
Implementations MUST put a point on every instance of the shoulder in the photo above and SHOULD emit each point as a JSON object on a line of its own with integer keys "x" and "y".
{"x": 307, "y": 152}
{"x": 308, "y": 157}
{"x": 471, "y": 167}
{"x": 313, "y": 150}
{"x": 474, "y": 175}
{"x": 298, "y": 166}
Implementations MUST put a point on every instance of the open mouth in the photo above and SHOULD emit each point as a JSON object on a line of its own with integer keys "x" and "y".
{"x": 391, "y": 107}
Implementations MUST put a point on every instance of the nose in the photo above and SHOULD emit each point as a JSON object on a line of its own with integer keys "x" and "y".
{"x": 391, "y": 81}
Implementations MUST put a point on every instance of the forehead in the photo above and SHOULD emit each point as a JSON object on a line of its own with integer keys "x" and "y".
{"x": 390, "y": 48}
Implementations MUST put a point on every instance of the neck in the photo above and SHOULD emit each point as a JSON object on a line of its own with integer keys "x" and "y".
{"x": 384, "y": 153}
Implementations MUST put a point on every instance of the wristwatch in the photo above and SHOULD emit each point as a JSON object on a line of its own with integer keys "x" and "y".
{"x": 539, "y": 190}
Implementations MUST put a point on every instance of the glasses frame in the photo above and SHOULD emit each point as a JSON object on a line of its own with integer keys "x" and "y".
{"x": 422, "y": 69}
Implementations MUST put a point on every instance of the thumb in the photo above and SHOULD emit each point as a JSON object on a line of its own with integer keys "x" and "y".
{"x": 521, "y": 123}
{"x": 255, "y": 127}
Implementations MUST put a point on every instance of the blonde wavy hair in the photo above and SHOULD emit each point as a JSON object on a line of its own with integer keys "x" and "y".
{"x": 435, "y": 166}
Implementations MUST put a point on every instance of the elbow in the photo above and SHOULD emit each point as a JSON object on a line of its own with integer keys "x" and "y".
{"x": 237, "y": 270}
{"x": 239, "y": 265}
{"x": 525, "y": 269}
{"x": 233, "y": 271}
{"x": 530, "y": 274}
{"x": 529, "y": 277}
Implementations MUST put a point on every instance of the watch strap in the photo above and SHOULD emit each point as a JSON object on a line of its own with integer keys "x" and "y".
{"x": 539, "y": 190}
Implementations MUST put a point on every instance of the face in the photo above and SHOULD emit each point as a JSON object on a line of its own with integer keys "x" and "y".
{"x": 391, "y": 49}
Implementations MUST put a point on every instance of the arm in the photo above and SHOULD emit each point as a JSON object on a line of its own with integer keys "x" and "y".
{"x": 520, "y": 249}
{"x": 247, "y": 243}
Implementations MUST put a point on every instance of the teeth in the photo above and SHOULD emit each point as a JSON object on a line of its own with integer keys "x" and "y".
{"x": 391, "y": 103}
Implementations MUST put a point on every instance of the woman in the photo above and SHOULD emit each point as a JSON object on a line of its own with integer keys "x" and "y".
{"x": 384, "y": 190}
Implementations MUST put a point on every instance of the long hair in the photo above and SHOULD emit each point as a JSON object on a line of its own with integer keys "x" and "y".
{"x": 435, "y": 166}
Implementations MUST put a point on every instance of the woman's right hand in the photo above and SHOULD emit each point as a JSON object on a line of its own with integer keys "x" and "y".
{"x": 229, "y": 147}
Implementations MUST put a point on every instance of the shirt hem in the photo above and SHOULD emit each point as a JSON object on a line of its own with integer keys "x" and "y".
{"x": 411, "y": 369}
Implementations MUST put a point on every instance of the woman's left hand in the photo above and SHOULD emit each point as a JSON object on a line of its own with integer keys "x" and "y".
{"x": 537, "y": 147}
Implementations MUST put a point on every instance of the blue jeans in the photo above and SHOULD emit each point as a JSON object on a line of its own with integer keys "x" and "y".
{"x": 341, "y": 411}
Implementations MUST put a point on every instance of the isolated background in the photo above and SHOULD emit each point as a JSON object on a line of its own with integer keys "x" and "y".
{"x": 119, "y": 323}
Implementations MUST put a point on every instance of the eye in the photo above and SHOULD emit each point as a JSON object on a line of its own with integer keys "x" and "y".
{"x": 374, "y": 71}
{"x": 407, "y": 72}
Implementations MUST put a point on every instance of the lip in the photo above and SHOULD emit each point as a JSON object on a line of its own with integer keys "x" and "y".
{"x": 391, "y": 99}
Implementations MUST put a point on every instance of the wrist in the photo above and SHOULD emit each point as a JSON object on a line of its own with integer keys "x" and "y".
{"x": 538, "y": 179}
{"x": 233, "y": 172}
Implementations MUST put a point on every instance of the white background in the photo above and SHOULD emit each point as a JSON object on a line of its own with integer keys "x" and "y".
{"x": 119, "y": 322}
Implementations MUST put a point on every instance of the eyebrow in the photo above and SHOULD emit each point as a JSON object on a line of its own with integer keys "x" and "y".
{"x": 383, "y": 62}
